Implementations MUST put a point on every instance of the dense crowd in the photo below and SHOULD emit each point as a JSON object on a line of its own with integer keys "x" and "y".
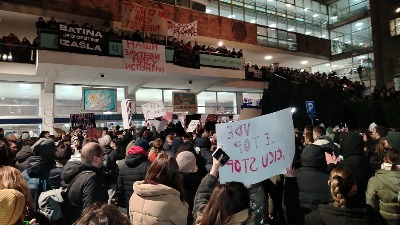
{"x": 140, "y": 176}
{"x": 332, "y": 80}
{"x": 13, "y": 49}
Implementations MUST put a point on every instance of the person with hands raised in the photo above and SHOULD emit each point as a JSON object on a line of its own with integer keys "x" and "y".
{"x": 217, "y": 204}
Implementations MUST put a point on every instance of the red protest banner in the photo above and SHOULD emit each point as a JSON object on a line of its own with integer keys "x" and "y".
{"x": 132, "y": 16}
{"x": 94, "y": 132}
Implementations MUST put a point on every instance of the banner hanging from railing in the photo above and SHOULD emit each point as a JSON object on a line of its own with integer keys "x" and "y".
{"x": 132, "y": 16}
{"x": 182, "y": 31}
{"x": 144, "y": 57}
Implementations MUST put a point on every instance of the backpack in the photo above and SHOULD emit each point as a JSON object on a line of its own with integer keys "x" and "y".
{"x": 37, "y": 166}
{"x": 51, "y": 203}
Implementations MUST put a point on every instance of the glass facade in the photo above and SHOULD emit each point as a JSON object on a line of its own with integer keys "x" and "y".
{"x": 19, "y": 100}
{"x": 354, "y": 36}
{"x": 299, "y": 16}
{"x": 344, "y": 9}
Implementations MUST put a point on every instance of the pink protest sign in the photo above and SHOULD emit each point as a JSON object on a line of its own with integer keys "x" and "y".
{"x": 259, "y": 148}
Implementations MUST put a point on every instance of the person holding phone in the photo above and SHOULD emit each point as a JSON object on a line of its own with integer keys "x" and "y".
{"x": 216, "y": 203}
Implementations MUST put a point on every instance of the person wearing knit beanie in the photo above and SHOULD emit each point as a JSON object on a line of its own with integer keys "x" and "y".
{"x": 12, "y": 204}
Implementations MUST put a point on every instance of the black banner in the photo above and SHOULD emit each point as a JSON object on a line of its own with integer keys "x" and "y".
{"x": 187, "y": 58}
{"x": 83, "y": 120}
{"x": 82, "y": 40}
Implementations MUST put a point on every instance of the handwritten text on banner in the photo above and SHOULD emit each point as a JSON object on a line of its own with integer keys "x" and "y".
{"x": 145, "y": 57}
{"x": 153, "y": 109}
{"x": 259, "y": 148}
{"x": 132, "y": 16}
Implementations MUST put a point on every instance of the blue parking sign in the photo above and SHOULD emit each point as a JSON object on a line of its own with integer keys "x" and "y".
{"x": 311, "y": 110}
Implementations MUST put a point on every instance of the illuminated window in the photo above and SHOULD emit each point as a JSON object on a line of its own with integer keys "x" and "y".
{"x": 394, "y": 27}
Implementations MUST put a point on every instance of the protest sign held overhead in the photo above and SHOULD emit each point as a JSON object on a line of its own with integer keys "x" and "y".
{"x": 152, "y": 110}
{"x": 132, "y": 16}
{"x": 84, "y": 120}
{"x": 192, "y": 125}
{"x": 144, "y": 57}
{"x": 259, "y": 148}
{"x": 126, "y": 109}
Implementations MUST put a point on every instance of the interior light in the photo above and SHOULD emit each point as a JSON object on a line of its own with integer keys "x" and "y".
{"x": 308, "y": 33}
{"x": 398, "y": 10}
{"x": 288, "y": 5}
{"x": 208, "y": 10}
{"x": 359, "y": 24}
{"x": 293, "y": 110}
{"x": 328, "y": 64}
{"x": 315, "y": 15}
{"x": 333, "y": 17}
{"x": 268, "y": 57}
{"x": 4, "y": 57}
{"x": 347, "y": 42}
{"x": 291, "y": 29}
{"x": 360, "y": 44}
{"x": 9, "y": 57}
{"x": 273, "y": 25}
{"x": 334, "y": 66}
{"x": 231, "y": 16}
{"x": 252, "y": 21}
{"x": 335, "y": 39}
{"x": 341, "y": 66}
{"x": 305, "y": 9}
{"x": 220, "y": 43}
{"x": 304, "y": 62}
{"x": 2, "y": 98}
{"x": 361, "y": 56}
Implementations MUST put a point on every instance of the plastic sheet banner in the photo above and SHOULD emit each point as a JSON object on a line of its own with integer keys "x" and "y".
{"x": 259, "y": 148}
{"x": 156, "y": 21}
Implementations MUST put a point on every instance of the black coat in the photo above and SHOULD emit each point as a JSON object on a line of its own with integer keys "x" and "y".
{"x": 23, "y": 158}
{"x": 352, "y": 147}
{"x": 88, "y": 188}
{"x": 132, "y": 168}
{"x": 110, "y": 172}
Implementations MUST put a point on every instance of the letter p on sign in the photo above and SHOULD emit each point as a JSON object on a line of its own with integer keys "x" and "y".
{"x": 310, "y": 106}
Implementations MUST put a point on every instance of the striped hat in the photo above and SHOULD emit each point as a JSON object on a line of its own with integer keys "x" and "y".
{"x": 12, "y": 206}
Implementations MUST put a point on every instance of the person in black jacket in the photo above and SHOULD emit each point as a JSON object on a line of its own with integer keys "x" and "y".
{"x": 205, "y": 152}
{"x": 352, "y": 148}
{"x": 89, "y": 187}
{"x": 309, "y": 181}
{"x": 342, "y": 184}
{"x": 62, "y": 155}
{"x": 133, "y": 168}
{"x": 110, "y": 170}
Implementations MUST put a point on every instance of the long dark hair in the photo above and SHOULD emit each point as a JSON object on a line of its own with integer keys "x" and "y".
{"x": 164, "y": 170}
{"x": 226, "y": 200}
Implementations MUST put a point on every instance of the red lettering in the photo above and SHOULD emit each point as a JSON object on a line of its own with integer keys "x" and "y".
{"x": 245, "y": 164}
{"x": 264, "y": 162}
{"x": 230, "y": 163}
{"x": 230, "y": 132}
{"x": 238, "y": 130}
{"x": 246, "y": 145}
{"x": 238, "y": 144}
{"x": 255, "y": 141}
{"x": 238, "y": 167}
{"x": 272, "y": 157}
{"x": 251, "y": 165}
{"x": 247, "y": 130}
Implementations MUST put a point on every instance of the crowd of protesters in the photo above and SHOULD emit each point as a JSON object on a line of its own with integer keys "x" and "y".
{"x": 332, "y": 80}
{"x": 140, "y": 176}
{"x": 16, "y": 50}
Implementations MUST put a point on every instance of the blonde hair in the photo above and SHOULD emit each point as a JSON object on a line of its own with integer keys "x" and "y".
{"x": 11, "y": 178}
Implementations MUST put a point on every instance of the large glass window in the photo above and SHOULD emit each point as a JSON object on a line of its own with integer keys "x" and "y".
{"x": 394, "y": 27}
{"x": 227, "y": 102}
{"x": 145, "y": 95}
{"x": 19, "y": 99}
{"x": 68, "y": 99}
{"x": 207, "y": 102}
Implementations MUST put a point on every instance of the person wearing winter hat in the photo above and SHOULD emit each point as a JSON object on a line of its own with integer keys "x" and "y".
{"x": 393, "y": 140}
{"x": 131, "y": 169}
{"x": 187, "y": 162}
{"x": 12, "y": 207}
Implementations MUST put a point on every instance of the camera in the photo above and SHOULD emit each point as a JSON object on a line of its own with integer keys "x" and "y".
{"x": 101, "y": 75}
{"x": 190, "y": 81}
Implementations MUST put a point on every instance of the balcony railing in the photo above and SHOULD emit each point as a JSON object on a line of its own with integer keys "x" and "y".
{"x": 349, "y": 11}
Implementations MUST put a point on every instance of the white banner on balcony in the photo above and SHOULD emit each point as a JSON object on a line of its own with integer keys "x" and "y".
{"x": 144, "y": 57}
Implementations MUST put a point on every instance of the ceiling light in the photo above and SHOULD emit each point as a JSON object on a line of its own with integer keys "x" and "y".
{"x": 359, "y": 28}
{"x": 12, "y": 112}
{"x": 288, "y": 5}
{"x": 273, "y": 25}
{"x": 398, "y": 10}
{"x": 341, "y": 66}
{"x": 333, "y": 17}
{"x": 361, "y": 56}
{"x": 252, "y": 21}
{"x": 359, "y": 24}
{"x": 360, "y": 44}
{"x": 315, "y": 15}
{"x": 220, "y": 43}
{"x": 347, "y": 42}
{"x": 290, "y": 29}
{"x": 2, "y": 98}
{"x": 308, "y": 33}
{"x": 335, "y": 39}
{"x": 328, "y": 64}
{"x": 208, "y": 10}
{"x": 304, "y": 62}
{"x": 4, "y": 57}
{"x": 268, "y": 57}
{"x": 323, "y": 35}
{"x": 305, "y": 9}
{"x": 231, "y": 16}
{"x": 334, "y": 66}
{"x": 270, "y": 0}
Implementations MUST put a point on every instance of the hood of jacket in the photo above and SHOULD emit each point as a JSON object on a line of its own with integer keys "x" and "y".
{"x": 333, "y": 215}
{"x": 148, "y": 190}
{"x": 24, "y": 153}
{"x": 327, "y": 144}
{"x": 390, "y": 178}
{"x": 135, "y": 160}
{"x": 73, "y": 168}
{"x": 313, "y": 156}
{"x": 351, "y": 144}
{"x": 107, "y": 149}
